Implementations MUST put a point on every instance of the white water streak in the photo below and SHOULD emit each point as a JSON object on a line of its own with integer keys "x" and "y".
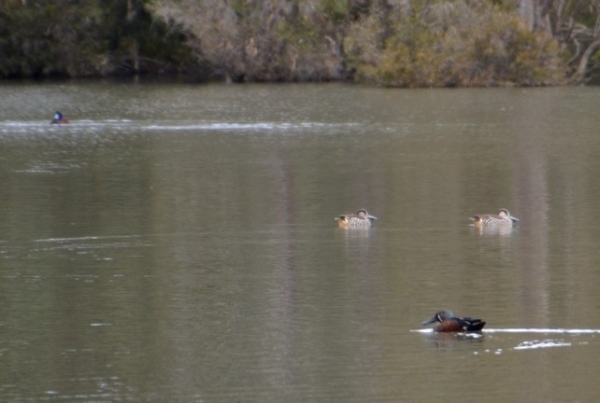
{"x": 530, "y": 345}
{"x": 529, "y": 330}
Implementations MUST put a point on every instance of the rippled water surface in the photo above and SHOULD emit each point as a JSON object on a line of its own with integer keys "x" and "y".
{"x": 177, "y": 243}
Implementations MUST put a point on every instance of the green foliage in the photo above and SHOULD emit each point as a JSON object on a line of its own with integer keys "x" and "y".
{"x": 131, "y": 33}
{"x": 459, "y": 44}
{"x": 78, "y": 38}
{"x": 336, "y": 10}
{"x": 48, "y": 38}
{"x": 299, "y": 34}
{"x": 242, "y": 8}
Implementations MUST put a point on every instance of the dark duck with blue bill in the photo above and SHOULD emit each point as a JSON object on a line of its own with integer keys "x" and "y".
{"x": 59, "y": 118}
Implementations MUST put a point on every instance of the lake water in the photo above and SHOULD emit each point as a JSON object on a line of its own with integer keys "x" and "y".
{"x": 177, "y": 243}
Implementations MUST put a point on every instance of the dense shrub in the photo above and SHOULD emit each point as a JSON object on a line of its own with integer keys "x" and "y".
{"x": 458, "y": 44}
{"x": 406, "y": 43}
{"x": 262, "y": 41}
{"x": 78, "y": 38}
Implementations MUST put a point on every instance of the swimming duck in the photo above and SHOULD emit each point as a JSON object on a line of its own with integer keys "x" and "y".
{"x": 59, "y": 118}
{"x": 362, "y": 219}
{"x": 502, "y": 219}
{"x": 451, "y": 323}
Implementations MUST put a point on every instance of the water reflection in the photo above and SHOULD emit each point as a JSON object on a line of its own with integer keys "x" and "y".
{"x": 351, "y": 234}
{"x": 450, "y": 341}
{"x": 501, "y": 230}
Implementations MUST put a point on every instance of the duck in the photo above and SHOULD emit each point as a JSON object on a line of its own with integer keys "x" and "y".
{"x": 361, "y": 219}
{"x": 59, "y": 118}
{"x": 502, "y": 219}
{"x": 448, "y": 322}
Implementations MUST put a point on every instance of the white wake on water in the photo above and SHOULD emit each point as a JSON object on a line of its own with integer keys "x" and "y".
{"x": 528, "y": 330}
{"x": 524, "y": 345}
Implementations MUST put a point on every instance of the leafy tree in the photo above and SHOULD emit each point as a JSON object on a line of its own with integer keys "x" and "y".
{"x": 75, "y": 38}
{"x": 454, "y": 43}
{"x": 253, "y": 40}
{"x": 49, "y": 37}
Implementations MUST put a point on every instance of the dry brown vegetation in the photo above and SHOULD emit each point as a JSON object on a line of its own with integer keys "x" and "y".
{"x": 396, "y": 43}
{"x": 459, "y": 44}
{"x": 260, "y": 40}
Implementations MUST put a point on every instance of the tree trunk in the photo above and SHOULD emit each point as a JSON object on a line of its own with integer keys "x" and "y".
{"x": 134, "y": 50}
{"x": 585, "y": 58}
{"x": 527, "y": 12}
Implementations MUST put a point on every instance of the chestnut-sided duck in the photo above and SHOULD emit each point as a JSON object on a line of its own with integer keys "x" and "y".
{"x": 448, "y": 322}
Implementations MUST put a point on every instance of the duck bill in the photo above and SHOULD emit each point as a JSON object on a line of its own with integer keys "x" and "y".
{"x": 372, "y": 217}
{"x": 513, "y": 219}
{"x": 429, "y": 321}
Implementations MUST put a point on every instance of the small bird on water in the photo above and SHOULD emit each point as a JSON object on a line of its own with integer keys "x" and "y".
{"x": 502, "y": 219}
{"x": 362, "y": 219}
{"x": 59, "y": 118}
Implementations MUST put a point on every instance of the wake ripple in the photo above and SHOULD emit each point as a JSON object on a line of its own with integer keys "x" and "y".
{"x": 528, "y": 330}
